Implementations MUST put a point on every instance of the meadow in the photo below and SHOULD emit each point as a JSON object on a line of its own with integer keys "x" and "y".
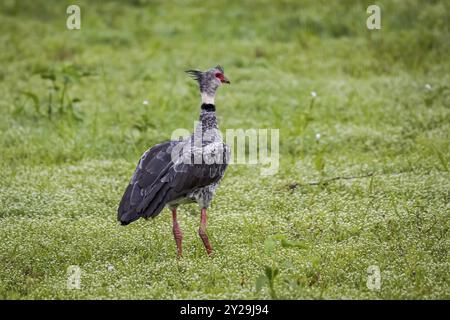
{"x": 364, "y": 120}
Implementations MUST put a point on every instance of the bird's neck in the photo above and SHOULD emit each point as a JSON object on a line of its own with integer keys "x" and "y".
{"x": 208, "y": 97}
{"x": 208, "y": 118}
{"x": 208, "y": 113}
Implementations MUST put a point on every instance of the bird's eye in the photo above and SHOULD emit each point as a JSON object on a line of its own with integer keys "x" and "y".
{"x": 218, "y": 75}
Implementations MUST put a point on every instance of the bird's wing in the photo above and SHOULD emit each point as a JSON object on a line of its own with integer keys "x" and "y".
{"x": 151, "y": 164}
{"x": 167, "y": 179}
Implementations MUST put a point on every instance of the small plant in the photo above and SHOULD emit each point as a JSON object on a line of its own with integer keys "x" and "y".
{"x": 268, "y": 279}
{"x": 270, "y": 273}
{"x": 272, "y": 241}
{"x": 303, "y": 118}
{"x": 441, "y": 156}
{"x": 319, "y": 158}
{"x": 59, "y": 102}
{"x": 319, "y": 162}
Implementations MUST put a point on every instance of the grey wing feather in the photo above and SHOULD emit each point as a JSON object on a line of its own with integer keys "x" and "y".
{"x": 152, "y": 163}
{"x": 164, "y": 181}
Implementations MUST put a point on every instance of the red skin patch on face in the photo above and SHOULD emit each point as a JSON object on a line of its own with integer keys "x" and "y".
{"x": 220, "y": 76}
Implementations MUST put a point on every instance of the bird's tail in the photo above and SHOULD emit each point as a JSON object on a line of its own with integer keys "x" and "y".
{"x": 150, "y": 207}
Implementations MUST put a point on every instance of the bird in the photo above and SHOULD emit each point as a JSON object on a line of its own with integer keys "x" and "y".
{"x": 181, "y": 171}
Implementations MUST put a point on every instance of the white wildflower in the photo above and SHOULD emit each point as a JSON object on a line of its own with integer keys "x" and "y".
{"x": 313, "y": 94}
{"x": 428, "y": 86}
{"x": 317, "y": 136}
{"x": 145, "y": 102}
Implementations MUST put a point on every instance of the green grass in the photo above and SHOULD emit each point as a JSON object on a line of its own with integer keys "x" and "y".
{"x": 65, "y": 160}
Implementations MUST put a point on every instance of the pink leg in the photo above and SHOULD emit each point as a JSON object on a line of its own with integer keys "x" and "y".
{"x": 178, "y": 235}
{"x": 202, "y": 232}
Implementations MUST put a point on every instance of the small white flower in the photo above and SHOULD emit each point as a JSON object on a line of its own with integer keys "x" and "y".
{"x": 318, "y": 136}
{"x": 145, "y": 102}
{"x": 110, "y": 267}
{"x": 313, "y": 94}
{"x": 428, "y": 86}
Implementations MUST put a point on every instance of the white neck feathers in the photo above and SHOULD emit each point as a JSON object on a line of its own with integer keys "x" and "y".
{"x": 207, "y": 99}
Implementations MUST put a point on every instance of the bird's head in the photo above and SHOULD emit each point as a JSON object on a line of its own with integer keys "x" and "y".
{"x": 209, "y": 80}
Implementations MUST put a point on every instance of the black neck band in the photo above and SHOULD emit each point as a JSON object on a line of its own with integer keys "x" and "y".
{"x": 208, "y": 107}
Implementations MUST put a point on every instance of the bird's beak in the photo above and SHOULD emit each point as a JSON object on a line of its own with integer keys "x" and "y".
{"x": 225, "y": 80}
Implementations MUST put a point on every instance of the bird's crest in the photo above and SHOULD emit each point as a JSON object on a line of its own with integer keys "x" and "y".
{"x": 220, "y": 68}
{"x": 196, "y": 74}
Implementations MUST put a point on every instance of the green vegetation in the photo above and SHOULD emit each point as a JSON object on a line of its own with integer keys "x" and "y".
{"x": 73, "y": 126}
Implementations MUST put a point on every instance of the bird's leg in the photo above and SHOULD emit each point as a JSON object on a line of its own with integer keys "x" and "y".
{"x": 178, "y": 235}
{"x": 202, "y": 232}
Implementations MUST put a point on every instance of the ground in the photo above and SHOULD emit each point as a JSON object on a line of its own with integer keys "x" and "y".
{"x": 363, "y": 182}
